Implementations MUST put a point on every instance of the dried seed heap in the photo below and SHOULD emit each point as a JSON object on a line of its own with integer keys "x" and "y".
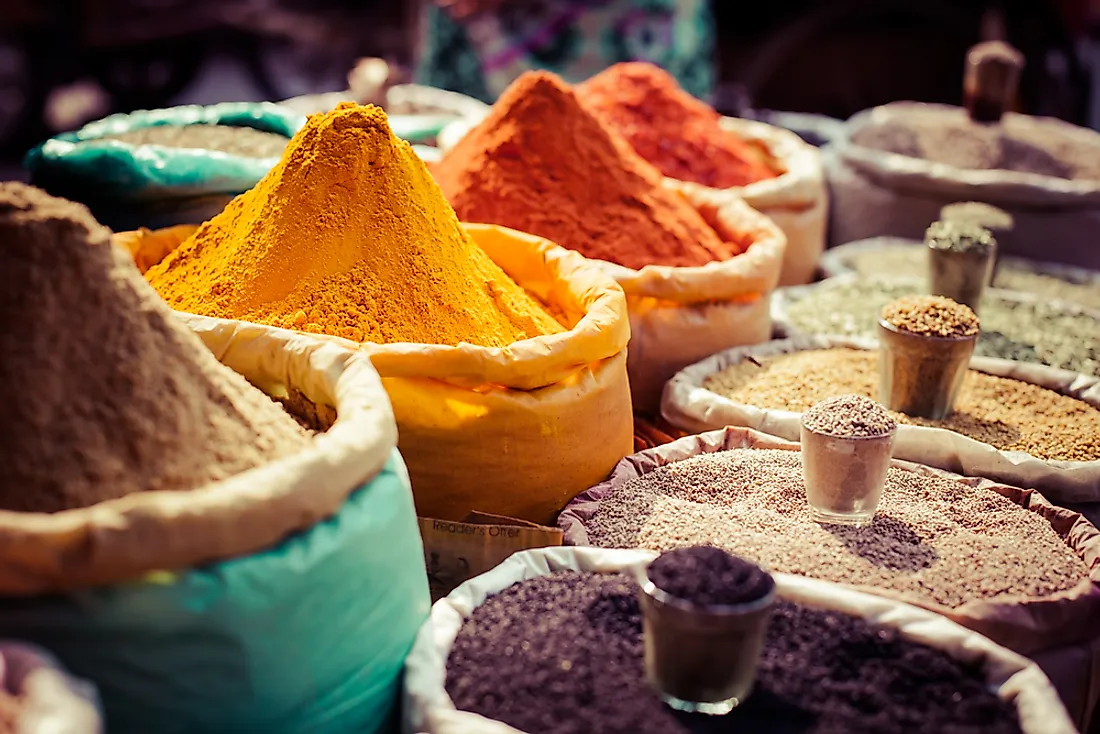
{"x": 708, "y": 576}
{"x": 243, "y": 141}
{"x": 106, "y": 392}
{"x": 1007, "y": 414}
{"x": 959, "y": 237}
{"x": 849, "y": 416}
{"x": 933, "y": 539}
{"x": 1028, "y": 331}
{"x": 931, "y": 316}
{"x": 564, "y": 654}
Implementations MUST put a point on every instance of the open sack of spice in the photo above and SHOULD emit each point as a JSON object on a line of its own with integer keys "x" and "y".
{"x": 879, "y": 257}
{"x": 1024, "y": 424}
{"x": 503, "y": 354}
{"x": 1022, "y": 327}
{"x": 156, "y": 168}
{"x": 171, "y": 532}
{"x": 999, "y": 560}
{"x": 37, "y": 696}
{"x": 697, "y": 272}
{"x": 552, "y": 641}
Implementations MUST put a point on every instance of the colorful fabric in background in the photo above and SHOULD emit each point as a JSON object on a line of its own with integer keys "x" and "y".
{"x": 481, "y": 56}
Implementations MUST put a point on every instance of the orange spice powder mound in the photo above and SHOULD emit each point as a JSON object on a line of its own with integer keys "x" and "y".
{"x": 350, "y": 236}
{"x": 671, "y": 129}
{"x": 540, "y": 163}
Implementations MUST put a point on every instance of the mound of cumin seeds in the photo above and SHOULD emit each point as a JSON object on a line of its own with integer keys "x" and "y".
{"x": 563, "y": 654}
{"x": 933, "y": 539}
{"x": 1008, "y": 414}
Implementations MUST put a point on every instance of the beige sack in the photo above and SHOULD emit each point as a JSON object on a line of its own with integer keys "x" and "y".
{"x": 428, "y": 708}
{"x": 1059, "y": 631}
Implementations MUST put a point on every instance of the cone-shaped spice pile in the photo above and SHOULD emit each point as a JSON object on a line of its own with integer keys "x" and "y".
{"x": 540, "y": 163}
{"x": 349, "y": 235}
{"x": 105, "y": 391}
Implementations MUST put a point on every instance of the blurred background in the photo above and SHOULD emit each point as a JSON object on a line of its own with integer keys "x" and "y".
{"x": 64, "y": 62}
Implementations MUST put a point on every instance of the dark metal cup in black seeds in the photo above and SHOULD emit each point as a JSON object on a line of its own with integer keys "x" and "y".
{"x": 702, "y": 659}
{"x": 961, "y": 256}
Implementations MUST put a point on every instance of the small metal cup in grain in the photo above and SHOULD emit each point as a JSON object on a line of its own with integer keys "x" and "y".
{"x": 990, "y": 80}
{"x": 701, "y": 659}
{"x": 961, "y": 256}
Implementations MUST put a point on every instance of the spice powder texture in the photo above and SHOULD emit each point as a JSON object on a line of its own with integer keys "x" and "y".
{"x": 679, "y": 134}
{"x": 106, "y": 392}
{"x": 540, "y": 163}
{"x": 349, "y": 236}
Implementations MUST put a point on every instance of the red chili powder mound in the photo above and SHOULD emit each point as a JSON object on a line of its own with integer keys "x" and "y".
{"x": 540, "y": 163}
{"x": 674, "y": 131}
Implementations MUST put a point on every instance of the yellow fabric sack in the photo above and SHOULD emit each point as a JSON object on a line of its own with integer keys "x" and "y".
{"x": 516, "y": 431}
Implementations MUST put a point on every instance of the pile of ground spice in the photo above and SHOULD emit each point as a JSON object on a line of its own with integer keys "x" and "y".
{"x": 106, "y": 392}
{"x": 849, "y": 416}
{"x": 563, "y": 654}
{"x": 932, "y": 539}
{"x": 349, "y": 236}
{"x": 540, "y": 163}
{"x": 933, "y": 316}
{"x": 704, "y": 576}
{"x": 950, "y": 137}
{"x": 674, "y": 131}
{"x": 1010, "y": 415}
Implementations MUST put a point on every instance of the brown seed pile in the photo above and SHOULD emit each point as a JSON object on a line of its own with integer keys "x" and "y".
{"x": 933, "y": 539}
{"x": 931, "y": 316}
{"x": 106, "y": 392}
{"x": 849, "y": 416}
{"x": 1008, "y": 414}
{"x": 243, "y": 141}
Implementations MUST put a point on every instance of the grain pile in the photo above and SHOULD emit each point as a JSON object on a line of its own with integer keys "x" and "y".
{"x": 243, "y": 141}
{"x": 933, "y": 316}
{"x": 707, "y": 576}
{"x": 1032, "y": 331}
{"x": 1010, "y": 415}
{"x": 563, "y": 654}
{"x": 849, "y": 416}
{"x": 106, "y": 392}
{"x": 933, "y": 539}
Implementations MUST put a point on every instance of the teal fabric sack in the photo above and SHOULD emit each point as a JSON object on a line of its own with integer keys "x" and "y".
{"x": 81, "y": 164}
{"x": 308, "y": 637}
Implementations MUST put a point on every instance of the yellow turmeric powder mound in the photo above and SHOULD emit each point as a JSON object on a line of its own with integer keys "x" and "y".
{"x": 349, "y": 235}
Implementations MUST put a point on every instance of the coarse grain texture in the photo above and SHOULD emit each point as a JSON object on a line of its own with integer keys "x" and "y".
{"x": 242, "y": 141}
{"x": 849, "y": 416}
{"x": 958, "y": 236}
{"x": 674, "y": 131}
{"x": 1026, "y": 331}
{"x": 1008, "y": 414}
{"x": 948, "y": 136}
{"x": 708, "y": 576}
{"x": 933, "y": 316}
{"x": 349, "y": 236}
{"x": 932, "y": 539}
{"x": 563, "y": 654}
{"x": 540, "y": 163}
{"x": 106, "y": 392}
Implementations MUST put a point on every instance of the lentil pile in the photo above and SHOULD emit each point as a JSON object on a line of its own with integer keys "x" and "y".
{"x": 708, "y": 576}
{"x": 106, "y": 391}
{"x": 1034, "y": 331}
{"x": 1010, "y": 275}
{"x": 933, "y": 316}
{"x": 349, "y": 236}
{"x": 242, "y": 141}
{"x": 564, "y": 654}
{"x": 849, "y": 416}
{"x": 679, "y": 134}
{"x": 932, "y": 539}
{"x": 541, "y": 163}
{"x": 949, "y": 137}
{"x": 1010, "y": 415}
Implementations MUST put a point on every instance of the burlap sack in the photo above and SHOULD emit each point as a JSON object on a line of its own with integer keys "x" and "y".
{"x": 1060, "y": 631}
{"x": 875, "y": 193}
{"x": 429, "y": 709}
{"x": 50, "y": 701}
{"x": 691, "y": 407}
{"x": 796, "y": 200}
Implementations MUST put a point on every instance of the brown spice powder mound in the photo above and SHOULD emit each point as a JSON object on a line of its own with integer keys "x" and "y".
{"x": 933, "y": 539}
{"x": 1010, "y": 415}
{"x": 107, "y": 393}
{"x": 931, "y": 316}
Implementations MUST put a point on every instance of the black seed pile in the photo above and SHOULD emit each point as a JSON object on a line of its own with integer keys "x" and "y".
{"x": 704, "y": 575}
{"x": 563, "y": 654}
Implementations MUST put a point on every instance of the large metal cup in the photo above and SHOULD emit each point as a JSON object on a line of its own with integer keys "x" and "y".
{"x": 921, "y": 375}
